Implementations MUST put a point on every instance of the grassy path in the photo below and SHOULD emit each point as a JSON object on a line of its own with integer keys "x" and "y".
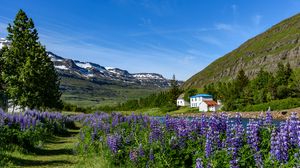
{"x": 56, "y": 152}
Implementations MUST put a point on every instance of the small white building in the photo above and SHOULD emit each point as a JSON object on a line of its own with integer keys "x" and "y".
{"x": 197, "y": 99}
{"x": 11, "y": 108}
{"x": 181, "y": 102}
{"x": 209, "y": 105}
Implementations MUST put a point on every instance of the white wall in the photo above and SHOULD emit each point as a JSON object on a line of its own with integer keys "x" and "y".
{"x": 195, "y": 102}
{"x": 203, "y": 107}
{"x": 181, "y": 102}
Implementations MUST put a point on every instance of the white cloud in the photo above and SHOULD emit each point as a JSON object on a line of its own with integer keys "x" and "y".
{"x": 256, "y": 19}
{"x": 224, "y": 26}
{"x": 211, "y": 40}
{"x": 234, "y": 8}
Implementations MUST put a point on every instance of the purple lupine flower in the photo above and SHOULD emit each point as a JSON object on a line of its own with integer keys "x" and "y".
{"x": 151, "y": 155}
{"x": 156, "y": 132}
{"x": 279, "y": 143}
{"x": 114, "y": 142}
{"x": 269, "y": 117}
{"x": 253, "y": 140}
{"x": 141, "y": 151}
{"x": 261, "y": 119}
{"x": 133, "y": 155}
{"x": 199, "y": 163}
{"x": 293, "y": 124}
{"x": 209, "y": 143}
{"x": 235, "y": 140}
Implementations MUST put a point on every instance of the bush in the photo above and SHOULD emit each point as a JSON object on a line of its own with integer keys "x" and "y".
{"x": 274, "y": 105}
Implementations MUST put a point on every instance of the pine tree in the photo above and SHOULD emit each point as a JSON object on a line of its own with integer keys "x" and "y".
{"x": 29, "y": 74}
{"x": 174, "y": 91}
{"x": 241, "y": 80}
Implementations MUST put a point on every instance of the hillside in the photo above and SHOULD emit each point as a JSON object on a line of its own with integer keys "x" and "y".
{"x": 280, "y": 43}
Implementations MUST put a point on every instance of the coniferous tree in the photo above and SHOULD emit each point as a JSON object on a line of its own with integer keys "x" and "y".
{"x": 174, "y": 91}
{"x": 28, "y": 73}
{"x": 241, "y": 80}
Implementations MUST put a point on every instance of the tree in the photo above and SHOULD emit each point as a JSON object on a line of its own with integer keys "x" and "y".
{"x": 174, "y": 90}
{"x": 28, "y": 73}
{"x": 241, "y": 80}
{"x": 2, "y": 94}
{"x": 190, "y": 93}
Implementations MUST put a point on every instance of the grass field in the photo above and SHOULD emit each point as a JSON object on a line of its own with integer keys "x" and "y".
{"x": 85, "y": 93}
{"x": 57, "y": 152}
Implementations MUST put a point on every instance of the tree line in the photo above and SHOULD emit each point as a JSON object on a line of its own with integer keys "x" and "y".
{"x": 265, "y": 87}
{"x": 27, "y": 75}
{"x": 166, "y": 100}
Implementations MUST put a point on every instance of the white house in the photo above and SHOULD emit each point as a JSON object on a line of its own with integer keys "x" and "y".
{"x": 197, "y": 99}
{"x": 181, "y": 102}
{"x": 11, "y": 108}
{"x": 209, "y": 105}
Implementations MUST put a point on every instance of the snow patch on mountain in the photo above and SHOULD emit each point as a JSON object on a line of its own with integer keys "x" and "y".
{"x": 148, "y": 76}
{"x": 63, "y": 67}
{"x": 4, "y": 42}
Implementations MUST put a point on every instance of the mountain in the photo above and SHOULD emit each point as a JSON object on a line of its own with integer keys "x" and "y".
{"x": 87, "y": 83}
{"x": 94, "y": 72}
{"x": 3, "y": 42}
{"x": 280, "y": 43}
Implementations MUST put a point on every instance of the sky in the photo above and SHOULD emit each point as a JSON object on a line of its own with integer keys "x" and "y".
{"x": 168, "y": 37}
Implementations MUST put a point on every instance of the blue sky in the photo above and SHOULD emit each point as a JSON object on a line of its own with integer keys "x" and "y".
{"x": 169, "y": 37}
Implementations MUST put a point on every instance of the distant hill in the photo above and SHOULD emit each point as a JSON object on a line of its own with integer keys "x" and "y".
{"x": 280, "y": 43}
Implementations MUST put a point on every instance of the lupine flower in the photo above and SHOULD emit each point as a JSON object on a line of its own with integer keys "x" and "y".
{"x": 151, "y": 155}
{"x": 141, "y": 151}
{"x": 199, "y": 163}
{"x": 133, "y": 155}
{"x": 279, "y": 143}
{"x": 253, "y": 140}
{"x": 113, "y": 142}
{"x": 269, "y": 117}
{"x": 156, "y": 132}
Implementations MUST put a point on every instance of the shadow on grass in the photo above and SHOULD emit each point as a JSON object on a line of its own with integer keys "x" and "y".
{"x": 26, "y": 162}
{"x": 51, "y": 152}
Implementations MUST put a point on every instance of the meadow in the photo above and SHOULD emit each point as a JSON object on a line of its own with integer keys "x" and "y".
{"x": 117, "y": 140}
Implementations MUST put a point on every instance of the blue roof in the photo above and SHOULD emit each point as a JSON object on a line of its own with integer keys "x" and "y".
{"x": 202, "y": 95}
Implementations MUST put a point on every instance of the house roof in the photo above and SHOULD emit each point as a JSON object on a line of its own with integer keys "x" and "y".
{"x": 202, "y": 95}
{"x": 181, "y": 96}
{"x": 210, "y": 102}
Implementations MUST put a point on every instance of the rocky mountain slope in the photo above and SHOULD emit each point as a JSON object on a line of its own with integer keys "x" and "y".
{"x": 94, "y": 72}
{"x": 280, "y": 43}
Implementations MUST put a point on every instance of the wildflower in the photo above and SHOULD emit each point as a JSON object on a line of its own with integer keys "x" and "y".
{"x": 199, "y": 163}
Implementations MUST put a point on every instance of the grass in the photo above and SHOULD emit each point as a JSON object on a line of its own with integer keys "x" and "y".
{"x": 86, "y": 93}
{"x": 57, "y": 152}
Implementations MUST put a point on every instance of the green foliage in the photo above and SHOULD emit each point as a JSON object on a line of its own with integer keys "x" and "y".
{"x": 189, "y": 93}
{"x": 166, "y": 100}
{"x": 274, "y": 104}
{"x": 264, "y": 88}
{"x": 28, "y": 73}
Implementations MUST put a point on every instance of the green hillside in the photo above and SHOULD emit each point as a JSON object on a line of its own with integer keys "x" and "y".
{"x": 280, "y": 43}
{"x": 86, "y": 93}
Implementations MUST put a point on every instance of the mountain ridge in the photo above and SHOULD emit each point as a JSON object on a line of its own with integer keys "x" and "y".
{"x": 92, "y": 71}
